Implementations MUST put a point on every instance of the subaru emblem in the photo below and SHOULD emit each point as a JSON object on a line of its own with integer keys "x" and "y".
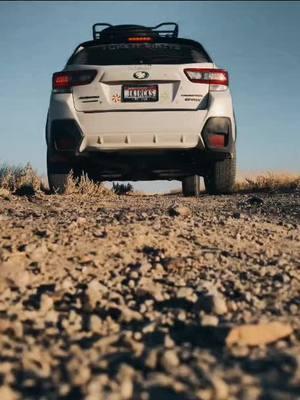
{"x": 141, "y": 75}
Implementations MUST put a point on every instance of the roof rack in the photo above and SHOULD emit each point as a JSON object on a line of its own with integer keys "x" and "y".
{"x": 96, "y": 33}
{"x": 167, "y": 32}
{"x": 117, "y": 30}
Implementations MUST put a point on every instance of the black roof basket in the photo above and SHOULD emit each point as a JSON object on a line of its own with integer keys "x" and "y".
{"x": 111, "y": 31}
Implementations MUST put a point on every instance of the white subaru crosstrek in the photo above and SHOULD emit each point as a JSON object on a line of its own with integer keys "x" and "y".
{"x": 139, "y": 103}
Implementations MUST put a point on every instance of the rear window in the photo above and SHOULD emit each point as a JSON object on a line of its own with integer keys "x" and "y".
{"x": 138, "y": 53}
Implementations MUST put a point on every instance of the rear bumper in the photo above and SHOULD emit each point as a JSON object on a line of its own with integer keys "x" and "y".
{"x": 141, "y": 129}
{"x": 66, "y": 135}
{"x": 139, "y": 144}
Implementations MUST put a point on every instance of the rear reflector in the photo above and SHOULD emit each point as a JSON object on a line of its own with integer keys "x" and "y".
{"x": 62, "y": 81}
{"x": 216, "y": 140}
{"x": 140, "y": 39}
{"x": 217, "y": 78}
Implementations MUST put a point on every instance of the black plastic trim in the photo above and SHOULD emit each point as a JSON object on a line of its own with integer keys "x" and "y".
{"x": 66, "y": 128}
{"x": 221, "y": 125}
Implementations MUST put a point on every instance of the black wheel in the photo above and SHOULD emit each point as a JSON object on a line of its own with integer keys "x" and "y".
{"x": 191, "y": 185}
{"x": 58, "y": 173}
{"x": 220, "y": 178}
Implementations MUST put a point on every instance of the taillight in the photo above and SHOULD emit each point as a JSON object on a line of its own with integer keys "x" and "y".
{"x": 216, "y": 78}
{"x": 65, "y": 80}
{"x": 140, "y": 39}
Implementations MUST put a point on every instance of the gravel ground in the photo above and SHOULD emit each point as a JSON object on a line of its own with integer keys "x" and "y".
{"x": 146, "y": 297}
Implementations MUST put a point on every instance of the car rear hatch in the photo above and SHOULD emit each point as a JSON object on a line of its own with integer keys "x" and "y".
{"x": 139, "y": 76}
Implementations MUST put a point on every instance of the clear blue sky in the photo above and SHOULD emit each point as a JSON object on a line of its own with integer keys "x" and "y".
{"x": 258, "y": 42}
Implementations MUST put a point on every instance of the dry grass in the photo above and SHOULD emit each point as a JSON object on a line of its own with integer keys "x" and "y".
{"x": 23, "y": 180}
{"x": 269, "y": 182}
{"x": 26, "y": 181}
{"x": 85, "y": 186}
{"x": 15, "y": 179}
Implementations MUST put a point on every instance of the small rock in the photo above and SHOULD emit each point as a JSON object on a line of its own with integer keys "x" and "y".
{"x": 95, "y": 291}
{"x": 259, "y": 334}
{"x": 204, "y": 394}
{"x": 213, "y": 302}
{"x": 126, "y": 388}
{"x": 125, "y": 377}
{"x": 209, "y": 320}
{"x": 80, "y": 220}
{"x": 145, "y": 267}
{"x": 236, "y": 215}
{"x": 129, "y": 315}
{"x": 131, "y": 284}
{"x": 6, "y": 393}
{"x": 181, "y": 315}
{"x": 100, "y": 234}
{"x": 175, "y": 211}
{"x": 169, "y": 342}
{"x": 293, "y": 308}
{"x": 151, "y": 359}
{"x": 255, "y": 200}
{"x": 4, "y": 325}
{"x": 221, "y": 391}
{"x": 79, "y": 372}
{"x": 52, "y": 317}
{"x": 95, "y": 324}
{"x": 137, "y": 336}
{"x": 240, "y": 351}
{"x": 43, "y": 233}
{"x": 187, "y": 293}
{"x": 149, "y": 328}
{"x": 46, "y": 303}
{"x": 37, "y": 361}
{"x": 158, "y": 270}
{"x": 134, "y": 275}
{"x": 148, "y": 286}
{"x": 219, "y": 305}
{"x": 169, "y": 360}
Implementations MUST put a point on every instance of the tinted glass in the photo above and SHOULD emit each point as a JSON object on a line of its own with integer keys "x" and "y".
{"x": 138, "y": 53}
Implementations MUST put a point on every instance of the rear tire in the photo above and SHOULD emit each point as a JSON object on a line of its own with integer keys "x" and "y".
{"x": 191, "y": 185}
{"x": 220, "y": 178}
{"x": 58, "y": 173}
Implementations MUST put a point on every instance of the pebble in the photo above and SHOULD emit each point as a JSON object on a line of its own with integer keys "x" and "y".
{"x": 258, "y": 334}
{"x": 175, "y": 211}
{"x": 219, "y": 305}
{"x": 169, "y": 360}
{"x": 95, "y": 292}
{"x": 221, "y": 390}
{"x": 6, "y": 393}
{"x": 96, "y": 324}
{"x": 209, "y": 320}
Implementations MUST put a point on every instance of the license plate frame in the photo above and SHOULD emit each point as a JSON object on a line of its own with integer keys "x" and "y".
{"x": 138, "y": 98}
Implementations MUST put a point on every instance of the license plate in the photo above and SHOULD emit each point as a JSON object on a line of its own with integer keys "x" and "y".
{"x": 139, "y": 93}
